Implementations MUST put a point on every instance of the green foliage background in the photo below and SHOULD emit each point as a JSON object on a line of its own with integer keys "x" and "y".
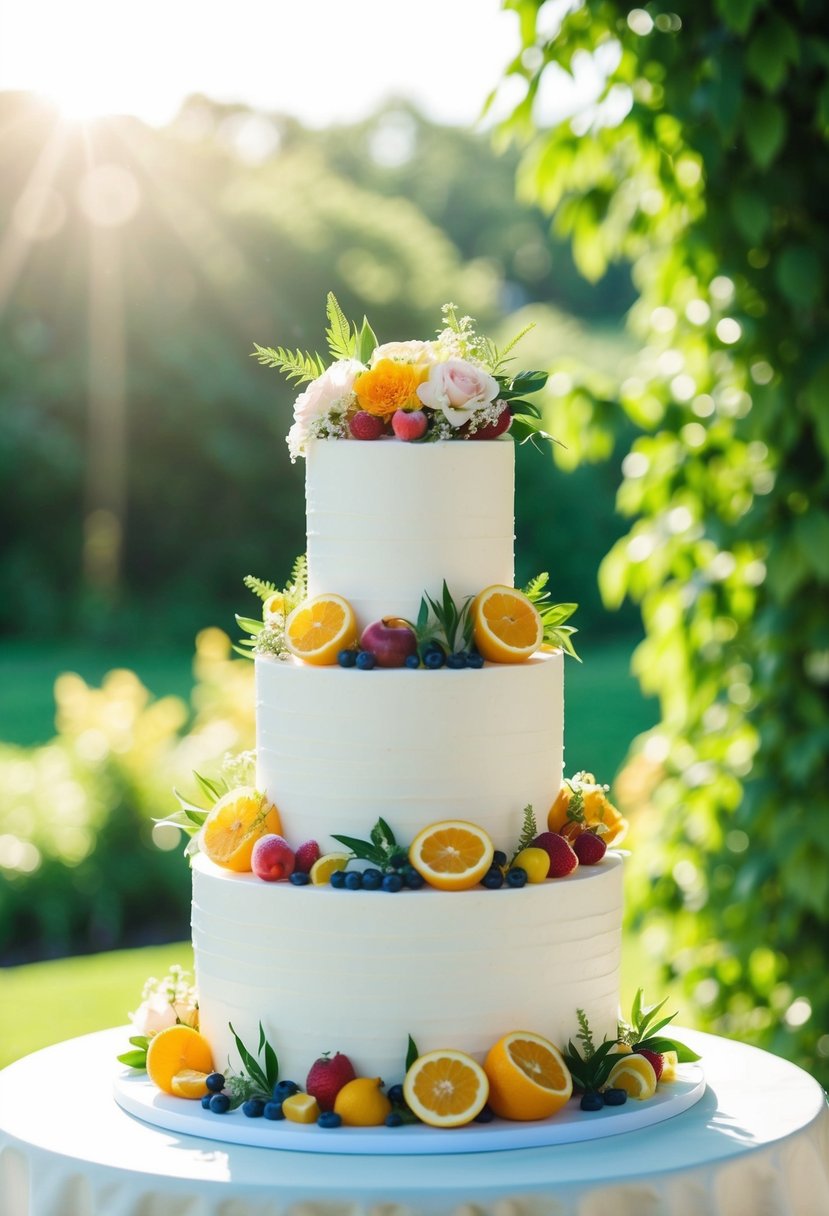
{"x": 704, "y": 162}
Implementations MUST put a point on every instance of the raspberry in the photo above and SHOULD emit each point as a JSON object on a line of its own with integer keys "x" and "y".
{"x": 653, "y": 1057}
{"x": 327, "y": 1077}
{"x": 589, "y": 848}
{"x": 305, "y": 856}
{"x": 563, "y": 860}
{"x": 366, "y": 426}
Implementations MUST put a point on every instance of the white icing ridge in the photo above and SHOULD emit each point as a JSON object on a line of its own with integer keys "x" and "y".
{"x": 336, "y": 749}
{"x": 359, "y": 971}
{"x": 388, "y": 521}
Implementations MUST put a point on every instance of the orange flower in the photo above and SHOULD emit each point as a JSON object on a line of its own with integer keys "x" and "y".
{"x": 389, "y": 386}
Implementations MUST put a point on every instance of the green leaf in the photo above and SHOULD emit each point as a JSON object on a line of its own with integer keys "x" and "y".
{"x": 815, "y": 395}
{"x": 250, "y": 1063}
{"x": 366, "y": 342}
{"x": 259, "y": 587}
{"x": 245, "y": 654}
{"x": 212, "y": 790}
{"x": 134, "y": 1059}
{"x": 296, "y": 365}
{"x": 770, "y": 52}
{"x": 388, "y": 835}
{"x": 411, "y": 1053}
{"x": 341, "y": 342}
{"x": 363, "y": 849}
{"x": 739, "y": 14}
{"x": 751, "y": 214}
{"x": 684, "y": 1055}
{"x": 799, "y": 275}
{"x": 249, "y": 624}
{"x": 271, "y": 1062}
{"x": 764, "y": 123}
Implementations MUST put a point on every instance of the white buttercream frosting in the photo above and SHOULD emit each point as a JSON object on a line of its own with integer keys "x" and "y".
{"x": 359, "y": 971}
{"x": 338, "y": 748}
{"x": 388, "y": 521}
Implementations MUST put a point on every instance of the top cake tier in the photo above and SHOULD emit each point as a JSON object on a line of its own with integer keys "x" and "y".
{"x": 388, "y": 521}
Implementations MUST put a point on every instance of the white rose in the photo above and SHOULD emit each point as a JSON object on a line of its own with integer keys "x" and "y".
{"x": 154, "y": 1014}
{"x": 458, "y": 388}
{"x": 329, "y": 393}
{"x": 422, "y": 353}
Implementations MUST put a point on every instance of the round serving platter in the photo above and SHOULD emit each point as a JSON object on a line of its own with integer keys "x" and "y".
{"x": 138, "y": 1096}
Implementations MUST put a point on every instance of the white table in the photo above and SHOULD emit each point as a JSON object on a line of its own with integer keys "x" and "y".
{"x": 757, "y": 1144}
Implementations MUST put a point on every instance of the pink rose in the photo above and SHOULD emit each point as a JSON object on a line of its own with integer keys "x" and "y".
{"x": 329, "y": 393}
{"x": 154, "y": 1014}
{"x": 458, "y": 389}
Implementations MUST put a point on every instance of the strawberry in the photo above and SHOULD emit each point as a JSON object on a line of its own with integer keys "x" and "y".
{"x": 305, "y": 856}
{"x": 654, "y": 1058}
{"x": 589, "y": 848}
{"x": 563, "y": 859}
{"x": 326, "y": 1078}
{"x": 366, "y": 426}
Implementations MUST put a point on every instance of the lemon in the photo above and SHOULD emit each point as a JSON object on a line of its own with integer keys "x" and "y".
{"x": 635, "y": 1075}
{"x": 189, "y": 1083}
{"x": 324, "y": 867}
{"x": 536, "y": 862}
{"x": 273, "y": 609}
{"x": 669, "y": 1063}
{"x": 362, "y": 1103}
{"x": 301, "y": 1108}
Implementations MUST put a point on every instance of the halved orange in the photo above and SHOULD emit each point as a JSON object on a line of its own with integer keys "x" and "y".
{"x": 528, "y": 1078}
{"x": 635, "y": 1075}
{"x": 235, "y": 824}
{"x": 446, "y": 1088}
{"x": 320, "y": 628}
{"x": 452, "y": 855}
{"x": 176, "y": 1050}
{"x": 506, "y": 625}
{"x": 189, "y": 1083}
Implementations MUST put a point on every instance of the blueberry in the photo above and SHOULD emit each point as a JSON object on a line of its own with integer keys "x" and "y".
{"x": 220, "y": 1104}
{"x": 284, "y": 1089}
{"x": 615, "y": 1097}
{"x": 392, "y": 882}
{"x": 485, "y": 1115}
{"x": 300, "y": 879}
{"x": 347, "y": 658}
{"x": 254, "y": 1108}
{"x": 372, "y": 880}
{"x": 413, "y": 661}
{"x": 499, "y": 858}
{"x": 395, "y": 1095}
{"x": 457, "y": 660}
{"x": 592, "y": 1102}
{"x": 434, "y": 659}
{"x": 206, "y": 1100}
{"x": 473, "y": 659}
{"x": 493, "y": 879}
{"x": 412, "y": 879}
{"x": 337, "y": 879}
{"x": 273, "y": 1110}
{"x": 432, "y": 647}
{"x": 353, "y": 880}
{"x": 366, "y": 660}
{"x": 517, "y": 877}
{"x": 329, "y": 1118}
{"x": 215, "y": 1082}
{"x": 394, "y": 1119}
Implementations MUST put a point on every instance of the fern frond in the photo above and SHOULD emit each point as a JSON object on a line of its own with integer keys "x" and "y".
{"x": 503, "y": 355}
{"x": 534, "y": 589}
{"x": 585, "y": 1035}
{"x": 296, "y": 365}
{"x": 259, "y": 587}
{"x": 341, "y": 340}
{"x": 529, "y": 831}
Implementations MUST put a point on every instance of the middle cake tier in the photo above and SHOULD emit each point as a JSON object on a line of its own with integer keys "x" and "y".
{"x": 337, "y": 749}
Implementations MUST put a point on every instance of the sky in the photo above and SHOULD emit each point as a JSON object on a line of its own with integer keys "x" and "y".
{"x": 322, "y": 60}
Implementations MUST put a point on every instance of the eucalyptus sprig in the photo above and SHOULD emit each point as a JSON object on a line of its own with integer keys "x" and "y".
{"x": 382, "y": 850}
{"x": 553, "y": 616}
{"x": 642, "y": 1030}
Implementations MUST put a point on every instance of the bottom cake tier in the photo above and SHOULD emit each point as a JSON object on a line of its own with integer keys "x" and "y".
{"x": 360, "y": 971}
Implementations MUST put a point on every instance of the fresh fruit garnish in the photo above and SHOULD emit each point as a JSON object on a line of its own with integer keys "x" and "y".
{"x": 347, "y": 657}
{"x": 320, "y": 628}
{"x": 329, "y": 1119}
{"x": 614, "y": 1097}
{"x": 517, "y": 877}
{"x": 655, "y": 1059}
{"x": 452, "y": 855}
{"x": 591, "y": 1101}
{"x": 176, "y": 1050}
{"x": 644, "y": 1032}
{"x": 362, "y": 1103}
{"x": 189, "y": 1083}
{"x": 582, "y": 804}
{"x": 445, "y": 1088}
{"x": 273, "y": 1111}
{"x": 409, "y": 424}
{"x": 365, "y": 661}
{"x": 273, "y": 609}
{"x": 327, "y": 1076}
{"x": 215, "y": 1082}
{"x": 506, "y": 625}
{"x": 590, "y": 1067}
{"x": 392, "y": 883}
{"x": 391, "y": 641}
{"x": 501, "y": 424}
{"x": 253, "y": 1108}
{"x": 219, "y": 1104}
{"x": 669, "y": 1063}
{"x": 528, "y": 1078}
{"x": 493, "y": 880}
{"x": 563, "y": 860}
{"x": 306, "y": 855}
{"x": 301, "y": 1108}
{"x": 589, "y": 848}
{"x": 234, "y": 825}
{"x": 635, "y": 1075}
{"x": 284, "y": 1089}
{"x": 366, "y": 426}
{"x": 534, "y": 862}
{"x": 325, "y": 866}
{"x": 272, "y": 858}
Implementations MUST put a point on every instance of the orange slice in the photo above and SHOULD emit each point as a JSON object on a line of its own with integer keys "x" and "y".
{"x": 320, "y": 628}
{"x": 506, "y": 625}
{"x": 446, "y": 1088}
{"x": 176, "y": 1050}
{"x": 189, "y": 1083}
{"x": 452, "y": 855}
{"x": 635, "y": 1075}
{"x": 528, "y": 1078}
{"x": 235, "y": 824}
{"x": 670, "y": 1061}
{"x": 324, "y": 867}
{"x": 301, "y": 1108}
{"x": 599, "y": 812}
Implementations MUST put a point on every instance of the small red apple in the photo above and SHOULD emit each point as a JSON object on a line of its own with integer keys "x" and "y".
{"x": 391, "y": 641}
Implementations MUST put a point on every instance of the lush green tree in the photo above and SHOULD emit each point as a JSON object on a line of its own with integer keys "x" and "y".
{"x": 703, "y": 161}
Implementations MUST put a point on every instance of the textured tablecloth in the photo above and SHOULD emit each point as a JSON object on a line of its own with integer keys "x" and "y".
{"x": 757, "y": 1144}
